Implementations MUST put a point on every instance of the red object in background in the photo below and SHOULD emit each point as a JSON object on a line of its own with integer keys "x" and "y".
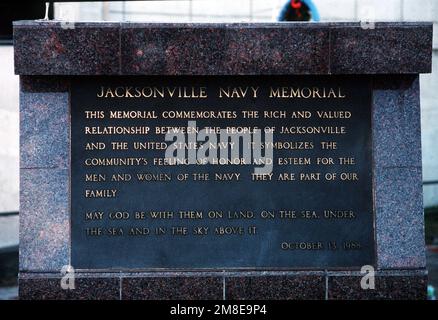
{"x": 296, "y": 4}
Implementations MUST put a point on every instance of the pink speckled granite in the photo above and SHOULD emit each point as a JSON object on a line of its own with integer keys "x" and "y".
{"x": 44, "y": 130}
{"x": 44, "y": 47}
{"x": 196, "y": 287}
{"x": 44, "y": 175}
{"x": 302, "y": 285}
{"x": 224, "y": 49}
{"x": 399, "y": 218}
{"x": 87, "y": 287}
{"x": 44, "y": 219}
{"x": 388, "y": 286}
{"x": 397, "y": 173}
{"x": 396, "y": 121}
{"x": 355, "y": 50}
{"x": 298, "y": 286}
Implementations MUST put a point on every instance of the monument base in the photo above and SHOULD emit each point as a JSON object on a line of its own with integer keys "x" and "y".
{"x": 226, "y": 285}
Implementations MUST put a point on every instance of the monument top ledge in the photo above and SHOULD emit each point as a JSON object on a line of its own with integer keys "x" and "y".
{"x": 126, "y": 48}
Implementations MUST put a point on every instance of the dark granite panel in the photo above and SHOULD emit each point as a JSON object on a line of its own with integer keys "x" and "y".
{"x": 45, "y": 288}
{"x": 399, "y": 218}
{"x": 294, "y": 50}
{"x": 384, "y": 49}
{"x": 43, "y": 48}
{"x": 398, "y": 285}
{"x": 44, "y": 219}
{"x": 44, "y": 129}
{"x": 44, "y": 84}
{"x": 387, "y": 287}
{"x": 292, "y": 287}
{"x": 173, "y": 50}
{"x": 416, "y": 50}
{"x": 396, "y": 121}
{"x": 172, "y": 288}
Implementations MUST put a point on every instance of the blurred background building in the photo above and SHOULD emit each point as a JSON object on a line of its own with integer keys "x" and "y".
{"x": 223, "y": 11}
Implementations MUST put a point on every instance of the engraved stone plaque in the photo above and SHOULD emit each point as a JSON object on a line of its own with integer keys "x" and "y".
{"x": 309, "y": 204}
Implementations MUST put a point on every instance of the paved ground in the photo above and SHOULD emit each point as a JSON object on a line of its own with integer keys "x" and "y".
{"x": 8, "y": 293}
{"x": 8, "y": 239}
{"x": 8, "y": 231}
{"x": 432, "y": 267}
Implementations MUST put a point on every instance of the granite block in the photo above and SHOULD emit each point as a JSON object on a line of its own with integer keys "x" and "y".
{"x": 172, "y": 288}
{"x": 294, "y": 50}
{"x": 397, "y": 122}
{"x": 399, "y": 218}
{"x": 29, "y": 84}
{"x": 147, "y": 49}
{"x": 44, "y": 129}
{"x": 46, "y": 47}
{"x": 44, "y": 219}
{"x": 398, "y": 285}
{"x": 388, "y": 48}
{"x": 412, "y": 118}
{"x": 416, "y": 50}
{"x": 48, "y": 287}
{"x": 43, "y": 48}
{"x": 387, "y": 287}
{"x": 175, "y": 49}
{"x": 286, "y": 287}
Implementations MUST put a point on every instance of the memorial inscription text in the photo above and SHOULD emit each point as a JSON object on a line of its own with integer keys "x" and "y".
{"x": 221, "y": 172}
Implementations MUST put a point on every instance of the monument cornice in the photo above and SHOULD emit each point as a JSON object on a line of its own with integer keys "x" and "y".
{"x": 125, "y": 48}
